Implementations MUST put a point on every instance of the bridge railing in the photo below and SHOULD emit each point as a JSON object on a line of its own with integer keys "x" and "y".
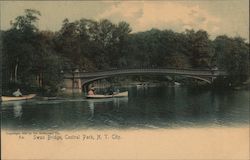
{"x": 146, "y": 70}
{"x": 155, "y": 68}
{"x": 129, "y": 68}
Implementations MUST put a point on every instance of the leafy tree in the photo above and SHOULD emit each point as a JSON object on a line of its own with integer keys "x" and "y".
{"x": 199, "y": 47}
{"x": 50, "y": 64}
{"x": 36, "y": 58}
{"x": 27, "y": 23}
{"x": 232, "y": 54}
{"x": 29, "y": 56}
{"x": 19, "y": 45}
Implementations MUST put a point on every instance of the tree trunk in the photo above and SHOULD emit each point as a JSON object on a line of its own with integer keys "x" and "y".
{"x": 16, "y": 69}
{"x": 11, "y": 78}
{"x": 42, "y": 80}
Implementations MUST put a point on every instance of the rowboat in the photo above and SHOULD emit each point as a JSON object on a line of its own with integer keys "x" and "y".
{"x": 115, "y": 95}
{"x": 24, "y": 97}
{"x": 121, "y": 94}
{"x": 99, "y": 96}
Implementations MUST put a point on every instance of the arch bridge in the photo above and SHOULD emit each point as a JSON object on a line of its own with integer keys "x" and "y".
{"x": 75, "y": 80}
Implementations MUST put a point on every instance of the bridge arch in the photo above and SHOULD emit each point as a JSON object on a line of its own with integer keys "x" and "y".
{"x": 88, "y": 81}
{"x": 87, "y": 77}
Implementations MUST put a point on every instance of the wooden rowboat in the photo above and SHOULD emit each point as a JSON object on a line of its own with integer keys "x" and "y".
{"x": 24, "y": 97}
{"x": 122, "y": 94}
{"x": 99, "y": 96}
{"x": 116, "y": 95}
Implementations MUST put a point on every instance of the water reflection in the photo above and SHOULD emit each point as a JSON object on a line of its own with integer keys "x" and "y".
{"x": 154, "y": 107}
{"x": 92, "y": 109}
{"x": 100, "y": 104}
{"x": 17, "y": 109}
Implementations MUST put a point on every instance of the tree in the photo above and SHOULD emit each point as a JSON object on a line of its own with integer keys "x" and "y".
{"x": 35, "y": 58}
{"x": 30, "y": 60}
{"x": 19, "y": 44}
{"x": 232, "y": 54}
{"x": 27, "y": 23}
{"x": 91, "y": 44}
{"x": 199, "y": 47}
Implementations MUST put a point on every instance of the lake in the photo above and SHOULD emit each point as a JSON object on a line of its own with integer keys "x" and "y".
{"x": 150, "y": 108}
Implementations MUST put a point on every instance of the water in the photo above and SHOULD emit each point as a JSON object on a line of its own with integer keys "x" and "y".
{"x": 155, "y": 107}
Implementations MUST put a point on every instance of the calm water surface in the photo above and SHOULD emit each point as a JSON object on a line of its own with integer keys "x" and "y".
{"x": 156, "y": 107}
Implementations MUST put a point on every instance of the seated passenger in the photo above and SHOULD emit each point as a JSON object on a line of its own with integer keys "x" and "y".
{"x": 17, "y": 93}
{"x": 91, "y": 91}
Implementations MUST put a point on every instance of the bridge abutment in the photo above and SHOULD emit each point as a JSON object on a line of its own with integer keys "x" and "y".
{"x": 73, "y": 85}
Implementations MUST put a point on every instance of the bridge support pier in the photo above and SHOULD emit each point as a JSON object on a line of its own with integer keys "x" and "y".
{"x": 73, "y": 85}
{"x": 76, "y": 82}
{"x": 76, "y": 86}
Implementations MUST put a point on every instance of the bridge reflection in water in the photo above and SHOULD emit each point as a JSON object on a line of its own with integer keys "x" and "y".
{"x": 75, "y": 80}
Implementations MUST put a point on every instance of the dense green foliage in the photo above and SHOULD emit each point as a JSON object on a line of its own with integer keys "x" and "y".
{"x": 35, "y": 58}
{"x": 232, "y": 54}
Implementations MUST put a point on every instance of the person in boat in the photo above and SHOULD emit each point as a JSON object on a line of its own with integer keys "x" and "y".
{"x": 91, "y": 91}
{"x": 17, "y": 93}
{"x": 116, "y": 91}
{"x": 110, "y": 91}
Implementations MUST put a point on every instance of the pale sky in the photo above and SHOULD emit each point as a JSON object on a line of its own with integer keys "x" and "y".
{"x": 230, "y": 17}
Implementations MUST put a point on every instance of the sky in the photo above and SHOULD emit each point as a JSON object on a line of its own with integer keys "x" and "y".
{"x": 217, "y": 17}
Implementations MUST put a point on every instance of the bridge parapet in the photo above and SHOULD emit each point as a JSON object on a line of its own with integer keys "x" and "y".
{"x": 75, "y": 80}
{"x": 190, "y": 72}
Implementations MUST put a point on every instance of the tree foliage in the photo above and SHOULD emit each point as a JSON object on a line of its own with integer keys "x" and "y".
{"x": 232, "y": 54}
{"x": 28, "y": 55}
{"x": 35, "y": 58}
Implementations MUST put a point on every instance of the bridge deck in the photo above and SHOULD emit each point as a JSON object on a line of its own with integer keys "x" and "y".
{"x": 189, "y": 72}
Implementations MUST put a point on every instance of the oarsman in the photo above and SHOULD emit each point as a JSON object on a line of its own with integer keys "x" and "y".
{"x": 17, "y": 93}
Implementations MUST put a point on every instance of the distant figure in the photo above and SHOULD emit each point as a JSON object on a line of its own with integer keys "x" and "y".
{"x": 214, "y": 69}
{"x": 91, "y": 91}
{"x": 111, "y": 91}
{"x": 17, "y": 93}
{"x": 117, "y": 90}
